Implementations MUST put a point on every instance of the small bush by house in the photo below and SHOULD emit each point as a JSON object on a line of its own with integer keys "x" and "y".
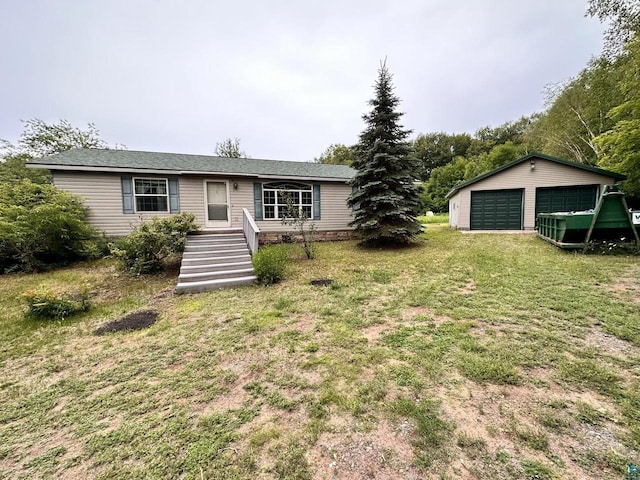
{"x": 270, "y": 263}
{"x": 41, "y": 226}
{"x": 148, "y": 247}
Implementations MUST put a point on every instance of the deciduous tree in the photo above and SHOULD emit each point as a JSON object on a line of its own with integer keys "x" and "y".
{"x": 486, "y": 138}
{"x": 441, "y": 181}
{"x": 623, "y": 19}
{"x": 577, "y": 112}
{"x": 433, "y": 150}
{"x": 620, "y": 146}
{"x": 40, "y": 139}
{"x": 13, "y": 169}
{"x": 230, "y": 148}
{"x": 336, "y": 154}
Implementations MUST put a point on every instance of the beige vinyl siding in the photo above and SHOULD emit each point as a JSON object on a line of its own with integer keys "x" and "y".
{"x": 102, "y": 193}
{"x": 103, "y": 196}
{"x": 545, "y": 174}
{"x": 240, "y": 198}
{"x": 454, "y": 210}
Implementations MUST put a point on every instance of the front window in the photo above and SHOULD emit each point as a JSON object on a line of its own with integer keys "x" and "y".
{"x": 151, "y": 194}
{"x": 277, "y": 197}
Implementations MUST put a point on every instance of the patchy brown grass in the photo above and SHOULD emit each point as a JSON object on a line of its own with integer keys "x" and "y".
{"x": 486, "y": 356}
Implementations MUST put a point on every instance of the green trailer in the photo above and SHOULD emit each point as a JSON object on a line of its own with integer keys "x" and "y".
{"x": 610, "y": 220}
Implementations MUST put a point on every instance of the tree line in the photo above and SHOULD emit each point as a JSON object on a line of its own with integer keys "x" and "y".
{"x": 592, "y": 118}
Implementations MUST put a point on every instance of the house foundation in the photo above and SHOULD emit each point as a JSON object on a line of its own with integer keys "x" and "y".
{"x": 266, "y": 238}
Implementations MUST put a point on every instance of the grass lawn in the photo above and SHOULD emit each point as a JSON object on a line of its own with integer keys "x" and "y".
{"x": 467, "y": 356}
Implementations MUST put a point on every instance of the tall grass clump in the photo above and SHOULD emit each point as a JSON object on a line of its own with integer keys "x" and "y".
{"x": 434, "y": 219}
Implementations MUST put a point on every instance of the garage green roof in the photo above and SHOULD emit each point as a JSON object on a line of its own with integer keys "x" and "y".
{"x": 131, "y": 160}
{"x": 526, "y": 158}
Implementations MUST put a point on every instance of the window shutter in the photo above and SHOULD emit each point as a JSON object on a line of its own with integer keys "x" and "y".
{"x": 356, "y": 206}
{"x": 127, "y": 194}
{"x": 316, "y": 201}
{"x": 174, "y": 196}
{"x": 257, "y": 200}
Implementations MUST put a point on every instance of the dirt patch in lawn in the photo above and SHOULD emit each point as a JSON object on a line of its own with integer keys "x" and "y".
{"x": 610, "y": 344}
{"x": 383, "y": 453}
{"x": 373, "y": 333}
{"x": 165, "y": 293}
{"x": 628, "y": 285}
{"x": 468, "y": 288}
{"x": 411, "y": 313}
{"x": 134, "y": 321}
{"x": 514, "y": 422}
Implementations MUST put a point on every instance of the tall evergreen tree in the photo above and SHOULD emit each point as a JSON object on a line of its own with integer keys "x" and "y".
{"x": 385, "y": 199}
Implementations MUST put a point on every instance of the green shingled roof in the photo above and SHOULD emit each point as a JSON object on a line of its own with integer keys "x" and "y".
{"x": 98, "y": 159}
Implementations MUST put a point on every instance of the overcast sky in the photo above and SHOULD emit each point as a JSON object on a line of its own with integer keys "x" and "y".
{"x": 288, "y": 78}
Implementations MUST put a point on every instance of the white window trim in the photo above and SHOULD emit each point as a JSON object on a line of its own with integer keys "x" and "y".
{"x": 276, "y": 205}
{"x": 135, "y": 195}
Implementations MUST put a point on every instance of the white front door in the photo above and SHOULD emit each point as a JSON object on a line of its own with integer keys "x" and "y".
{"x": 217, "y": 198}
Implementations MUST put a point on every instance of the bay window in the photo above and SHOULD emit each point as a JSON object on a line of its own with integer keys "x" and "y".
{"x": 278, "y": 197}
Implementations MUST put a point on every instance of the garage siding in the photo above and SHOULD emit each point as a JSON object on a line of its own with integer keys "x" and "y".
{"x": 545, "y": 174}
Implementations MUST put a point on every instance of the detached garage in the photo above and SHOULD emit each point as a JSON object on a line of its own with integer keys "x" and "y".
{"x": 510, "y": 197}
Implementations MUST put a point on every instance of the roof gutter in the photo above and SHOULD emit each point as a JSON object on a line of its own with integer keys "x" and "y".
{"x": 84, "y": 168}
{"x": 100, "y": 169}
{"x": 310, "y": 179}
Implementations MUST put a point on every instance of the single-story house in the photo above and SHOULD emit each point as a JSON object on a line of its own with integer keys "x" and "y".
{"x": 123, "y": 187}
{"x": 510, "y": 196}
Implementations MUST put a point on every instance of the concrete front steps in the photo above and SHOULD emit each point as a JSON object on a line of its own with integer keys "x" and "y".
{"x": 213, "y": 261}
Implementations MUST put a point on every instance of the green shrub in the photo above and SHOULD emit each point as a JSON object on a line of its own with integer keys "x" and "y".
{"x": 270, "y": 263}
{"x": 55, "y": 303}
{"x": 40, "y": 226}
{"x": 150, "y": 244}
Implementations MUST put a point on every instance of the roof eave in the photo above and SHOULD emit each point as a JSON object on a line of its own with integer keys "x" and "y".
{"x": 85, "y": 168}
{"x": 307, "y": 178}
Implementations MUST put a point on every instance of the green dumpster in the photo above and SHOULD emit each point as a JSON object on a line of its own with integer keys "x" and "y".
{"x": 610, "y": 220}
{"x": 565, "y": 229}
